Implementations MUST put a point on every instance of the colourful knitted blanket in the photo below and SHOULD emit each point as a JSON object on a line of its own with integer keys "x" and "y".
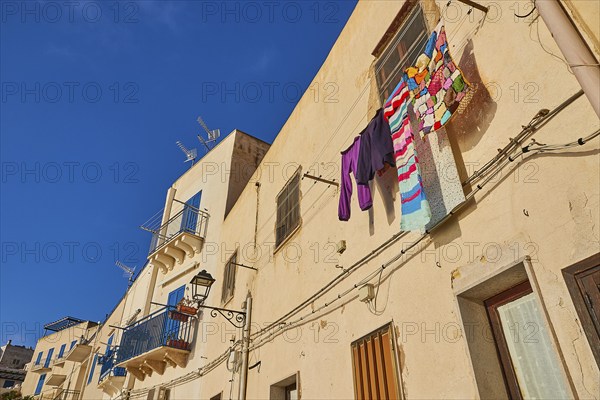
{"x": 436, "y": 84}
{"x": 436, "y": 88}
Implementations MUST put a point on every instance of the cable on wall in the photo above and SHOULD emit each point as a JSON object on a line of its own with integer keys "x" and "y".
{"x": 531, "y": 149}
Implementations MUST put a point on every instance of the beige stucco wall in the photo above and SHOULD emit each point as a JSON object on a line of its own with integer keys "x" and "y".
{"x": 545, "y": 207}
{"x": 221, "y": 175}
{"x": 560, "y": 194}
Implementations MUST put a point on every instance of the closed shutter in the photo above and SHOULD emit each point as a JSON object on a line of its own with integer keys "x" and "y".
{"x": 61, "y": 352}
{"x": 49, "y": 358}
{"x": 229, "y": 279}
{"x": 189, "y": 220}
{"x": 40, "y": 384}
{"x": 39, "y": 358}
{"x": 94, "y": 361}
{"x": 288, "y": 209}
{"x": 374, "y": 366}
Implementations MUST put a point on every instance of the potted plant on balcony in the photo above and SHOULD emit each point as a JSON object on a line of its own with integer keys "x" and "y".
{"x": 186, "y": 306}
{"x": 172, "y": 341}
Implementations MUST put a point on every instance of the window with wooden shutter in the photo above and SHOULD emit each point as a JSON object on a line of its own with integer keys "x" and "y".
{"x": 374, "y": 366}
{"x": 229, "y": 279}
{"x": 288, "y": 209}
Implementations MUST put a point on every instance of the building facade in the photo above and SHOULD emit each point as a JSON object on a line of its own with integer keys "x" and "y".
{"x": 12, "y": 365}
{"x": 254, "y": 287}
{"x": 61, "y": 360}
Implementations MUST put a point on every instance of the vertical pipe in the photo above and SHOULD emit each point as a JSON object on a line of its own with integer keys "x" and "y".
{"x": 582, "y": 61}
{"x": 245, "y": 348}
{"x": 88, "y": 367}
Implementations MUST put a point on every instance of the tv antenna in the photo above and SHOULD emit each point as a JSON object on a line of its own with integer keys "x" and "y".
{"x": 212, "y": 135}
{"x": 128, "y": 271}
{"x": 189, "y": 154}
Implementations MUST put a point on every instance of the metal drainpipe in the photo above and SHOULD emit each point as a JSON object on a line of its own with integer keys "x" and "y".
{"x": 575, "y": 50}
{"x": 245, "y": 348}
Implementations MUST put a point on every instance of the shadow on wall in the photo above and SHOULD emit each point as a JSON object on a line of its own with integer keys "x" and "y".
{"x": 468, "y": 128}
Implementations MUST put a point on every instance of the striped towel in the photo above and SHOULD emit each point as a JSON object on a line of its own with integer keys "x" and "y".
{"x": 415, "y": 207}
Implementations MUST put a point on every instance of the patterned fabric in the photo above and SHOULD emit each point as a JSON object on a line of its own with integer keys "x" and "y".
{"x": 436, "y": 84}
{"x": 436, "y": 88}
{"x": 440, "y": 177}
{"x": 415, "y": 208}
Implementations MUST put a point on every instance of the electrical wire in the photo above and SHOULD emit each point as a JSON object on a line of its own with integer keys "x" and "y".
{"x": 486, "y": 177}
{"x": 526, "y": 149}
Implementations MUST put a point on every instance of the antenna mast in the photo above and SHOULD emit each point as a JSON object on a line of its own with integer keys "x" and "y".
{"x": 127, "y": 270}
{"x": 212, "y": 135}
{"x": 189, "y": 154}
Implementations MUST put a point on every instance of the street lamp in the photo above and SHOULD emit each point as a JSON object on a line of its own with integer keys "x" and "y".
{"x": 201, "y": 284}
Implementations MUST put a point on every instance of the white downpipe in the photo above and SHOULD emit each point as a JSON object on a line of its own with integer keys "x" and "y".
{"x": 582, "y": 61}
{"x": 245, "y": 348}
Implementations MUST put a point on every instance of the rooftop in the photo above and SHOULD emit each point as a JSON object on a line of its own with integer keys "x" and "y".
{"x": 63, "y": 323}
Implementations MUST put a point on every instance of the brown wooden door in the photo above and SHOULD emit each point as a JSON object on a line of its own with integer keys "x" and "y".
{"x": 583, "y": 281}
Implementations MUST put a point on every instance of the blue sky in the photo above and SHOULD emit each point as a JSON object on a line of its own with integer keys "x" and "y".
{"x": 94, "y": 96}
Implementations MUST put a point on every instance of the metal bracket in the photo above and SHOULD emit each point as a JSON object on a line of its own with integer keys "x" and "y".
{"x": 319, "y": 179}
{"x": 244, "y": 266}
{"x": 235, "y": 318}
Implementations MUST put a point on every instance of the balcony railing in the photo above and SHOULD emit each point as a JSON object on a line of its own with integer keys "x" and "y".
{"x": 165, "y": 328}
{"x": 188, "y": 220}
{"x": 67, "y": 395}
{"x": 108, "y": 368}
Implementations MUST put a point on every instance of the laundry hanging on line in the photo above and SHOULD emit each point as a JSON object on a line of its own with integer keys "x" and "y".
{"x": 370, "y": 153}
{"x": 436, "y": 89}
{"x": 349, "y": 165}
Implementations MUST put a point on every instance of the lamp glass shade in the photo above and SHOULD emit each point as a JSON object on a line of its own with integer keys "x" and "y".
{"x": 203, "y": 278}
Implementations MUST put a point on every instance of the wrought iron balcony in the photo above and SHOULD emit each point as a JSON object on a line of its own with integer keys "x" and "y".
{"x": 66, "y": 395}
{"x": 112, "y": 378}
{"x": 160, "y": 339}
{"x": 182, "y": 235}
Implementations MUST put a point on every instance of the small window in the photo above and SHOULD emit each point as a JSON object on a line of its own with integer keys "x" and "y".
{"x": 286, "y": 389}
{"x": 229, "y": 279}
{"x": 374, "y": 366}
{"x": 291, "y": 392}
{"x": 531, "y": 368}
{"x": 288, "y": 209}
{"x": 8, "y": 384}
{"x": 402, "y": 52}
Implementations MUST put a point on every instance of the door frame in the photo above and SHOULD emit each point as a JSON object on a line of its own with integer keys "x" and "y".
{"x": 570, "y": 277}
